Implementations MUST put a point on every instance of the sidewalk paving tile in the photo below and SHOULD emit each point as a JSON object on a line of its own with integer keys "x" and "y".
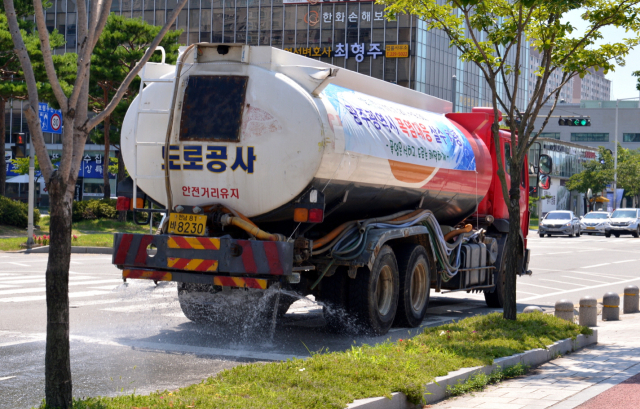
{"x": 538, "y": 402}
{"x": 492, "y": 405}
{"x": 489, "y": 399}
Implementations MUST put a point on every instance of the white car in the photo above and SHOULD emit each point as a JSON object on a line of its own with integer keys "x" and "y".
{"x": 595, "y": 222}
{"x": 559, "y": 222}
{"x": 624, "y": 221}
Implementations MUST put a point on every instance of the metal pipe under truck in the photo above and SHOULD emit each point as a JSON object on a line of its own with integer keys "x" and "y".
{"x": 281, "y": 172}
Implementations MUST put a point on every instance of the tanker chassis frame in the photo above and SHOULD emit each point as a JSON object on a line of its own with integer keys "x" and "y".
{"x": 378, "y": 287}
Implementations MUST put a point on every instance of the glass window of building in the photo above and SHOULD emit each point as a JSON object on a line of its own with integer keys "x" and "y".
{"x": 589, "y": 137}
{"x": 631, "y": 137}
{"x": 550, "y": 135}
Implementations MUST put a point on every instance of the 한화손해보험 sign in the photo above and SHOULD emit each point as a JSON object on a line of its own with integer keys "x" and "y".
{"x": 385, "y": 129}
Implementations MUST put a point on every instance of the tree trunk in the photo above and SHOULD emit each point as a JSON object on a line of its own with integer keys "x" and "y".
{"x": 57, "y": 358}
{"x": 122, "y": 216}
{"x": 3, "y": 162}
{"x": 105, "y": 171}
{"x": 514, "y": 246}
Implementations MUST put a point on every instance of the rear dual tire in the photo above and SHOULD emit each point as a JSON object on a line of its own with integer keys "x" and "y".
{"x": 415, "y": 284}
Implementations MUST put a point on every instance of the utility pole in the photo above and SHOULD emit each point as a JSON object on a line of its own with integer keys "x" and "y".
{"x": 615, "y": 154}
{"x": 453, "y": 93}
{"x": 615, "y": 160}
{"x": 32, "y": 192}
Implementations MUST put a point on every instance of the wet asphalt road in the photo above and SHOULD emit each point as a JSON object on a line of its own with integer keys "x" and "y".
{"x": 134, "y": 337}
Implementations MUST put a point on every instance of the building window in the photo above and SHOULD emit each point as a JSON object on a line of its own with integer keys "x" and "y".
{"x": 589, "y": 137}
{"x": 550, "y": 135}
{"x": 631, "y": 137}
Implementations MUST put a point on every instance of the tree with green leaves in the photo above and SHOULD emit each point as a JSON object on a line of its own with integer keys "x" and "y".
{"x": 60, "y": 181}
{"x": 122, "y": 44}
{"x": 494, "y": 35}
{"x": 12, "y": 85}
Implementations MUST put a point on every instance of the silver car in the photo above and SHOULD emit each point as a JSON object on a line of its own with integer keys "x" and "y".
{"x": 624, "y": 221}
{"x": 559, "y": 222}
{"x": 595, "y": 222}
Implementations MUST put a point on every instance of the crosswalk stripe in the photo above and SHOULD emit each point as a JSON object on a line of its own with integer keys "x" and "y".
{"x": 14, "y": 280}
{"x": 43, "y": 297}
{"x": 40, "y": 289}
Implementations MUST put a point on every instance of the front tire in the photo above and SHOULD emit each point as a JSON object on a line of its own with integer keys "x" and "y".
{"x": 607, "y": 235}
{"x": 616, "y": 234}
{"x": 415, "y": 284}
{"x": 373, "y": 294}
{"x": 636, "y": 233}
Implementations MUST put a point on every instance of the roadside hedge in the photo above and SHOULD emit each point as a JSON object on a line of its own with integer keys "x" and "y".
{"x": 94, "y": 209}
{"x": 15, "y": 213}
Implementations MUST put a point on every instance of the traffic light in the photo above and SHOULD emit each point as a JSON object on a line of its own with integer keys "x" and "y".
{"x": 19, "y": 149}
{"x": 574, "y": 121}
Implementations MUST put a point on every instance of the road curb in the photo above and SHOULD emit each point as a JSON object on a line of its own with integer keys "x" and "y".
{"x": 74, "y": 249}
{"x": 437, "y": 390}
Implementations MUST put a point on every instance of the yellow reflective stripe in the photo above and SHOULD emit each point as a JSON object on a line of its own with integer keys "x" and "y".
{"x": 215, "y": 242}
{"x": 171, "y": 261}
{"x": 172, "y": 243}
{"x": 213, "y": 267}
{"x": 193, "y": 264}
{"x": 194, "y": 243}
{"x": 262, "y": 283}
{"x": 239, "y": 281}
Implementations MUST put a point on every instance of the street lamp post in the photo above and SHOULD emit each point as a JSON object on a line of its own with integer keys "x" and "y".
{"x": 615, "y": 154}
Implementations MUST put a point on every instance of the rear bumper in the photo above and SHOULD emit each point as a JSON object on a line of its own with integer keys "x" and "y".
{"x": 223, "y": 281}
{"x": 202, "y": 259}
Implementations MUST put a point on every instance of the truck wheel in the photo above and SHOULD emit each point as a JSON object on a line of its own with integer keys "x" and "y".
{"x": 414, "y": 272}
{"x": 636, "y": 233}
{"x": 333, "y": 293}
{"x": 616, "y": 234}
{"x": 195, "y": 301}
{"x": 373, "y": 294}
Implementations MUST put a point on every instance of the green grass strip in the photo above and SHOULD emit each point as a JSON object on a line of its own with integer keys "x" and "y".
{"x": 333, "y": 380}
{"x": 479, "y": 381}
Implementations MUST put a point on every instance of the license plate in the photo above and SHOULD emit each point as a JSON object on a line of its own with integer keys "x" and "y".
{"x": 187, "y": 224}
{"x": 591, "y": 228}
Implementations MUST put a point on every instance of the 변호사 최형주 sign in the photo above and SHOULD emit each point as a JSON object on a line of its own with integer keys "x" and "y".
{"x": 384, "y": 129}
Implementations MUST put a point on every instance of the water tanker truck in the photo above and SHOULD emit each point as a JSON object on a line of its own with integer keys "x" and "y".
{"x": 282, "y": 174}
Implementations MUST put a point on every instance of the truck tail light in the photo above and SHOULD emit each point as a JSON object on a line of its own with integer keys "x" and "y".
{"x": 316, "y": 215}
{"x": 300, "y": 215}
{"x": 123, "y": 203}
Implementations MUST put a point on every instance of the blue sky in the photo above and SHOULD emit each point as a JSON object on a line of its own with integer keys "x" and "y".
{"x": 623, "y": 84}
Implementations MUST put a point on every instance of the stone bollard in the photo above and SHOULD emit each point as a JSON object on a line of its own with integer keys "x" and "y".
{"x": 611, "y": 307}
{"x": 564, "y": 310}
{"x": 531, "y": 308}
{"x": 588, "y": 311}
{"x": 631, "y": 299}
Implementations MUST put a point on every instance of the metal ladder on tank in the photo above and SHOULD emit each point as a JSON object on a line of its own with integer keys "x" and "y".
{"x": 134, "y": 175}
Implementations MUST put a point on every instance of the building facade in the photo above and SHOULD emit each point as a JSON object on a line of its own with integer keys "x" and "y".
{"x": 568, "y": 159}
{"x": 594, "y": 86}
{"x": 603, "y": 124}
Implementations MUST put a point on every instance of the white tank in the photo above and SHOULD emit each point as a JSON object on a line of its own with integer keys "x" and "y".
{"x": 259, "y": 125}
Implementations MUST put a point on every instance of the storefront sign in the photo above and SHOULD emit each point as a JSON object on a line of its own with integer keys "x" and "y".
{"x": 353, "y": 50}
{"x": 397, "y": 50}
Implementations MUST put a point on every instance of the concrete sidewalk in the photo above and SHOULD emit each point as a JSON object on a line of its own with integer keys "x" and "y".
{"x": 572, "y": 381}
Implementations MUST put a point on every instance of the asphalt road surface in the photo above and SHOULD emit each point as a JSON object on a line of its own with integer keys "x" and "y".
{"x": 133, "y": 337}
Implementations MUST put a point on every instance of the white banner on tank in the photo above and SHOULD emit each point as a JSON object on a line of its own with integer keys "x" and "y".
{"x": 384, "y": 129}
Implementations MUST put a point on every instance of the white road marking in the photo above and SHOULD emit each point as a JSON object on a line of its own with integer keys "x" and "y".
{"x": 524, "y": 292}
{"x": 585, "y": 279}
{"x": 36, "y": 280}
{"x": 623, "y": 261}
{"x": 17, "y": 264}
{"x": 579, "y": 289}
{"x": 105, "y": 287}
{"x": 143, "y": 307}
{"x": 8, "y": 274}
{"x": 561, "y": 282}
{"x": 561, "y": 252}
{"x": 535, "y": 285}
{"x": 43, "y": 297}
{"x": 39, "y": 289}
{"x": 75, "y": 262}
{"x": 6, "y": 377}
{"x": 596, "y": 265}
{"x": 7, "y": 286}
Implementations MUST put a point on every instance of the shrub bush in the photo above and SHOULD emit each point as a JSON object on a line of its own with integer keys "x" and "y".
{"x": 94, "y": 209}
{"x": 15, "y": 213}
